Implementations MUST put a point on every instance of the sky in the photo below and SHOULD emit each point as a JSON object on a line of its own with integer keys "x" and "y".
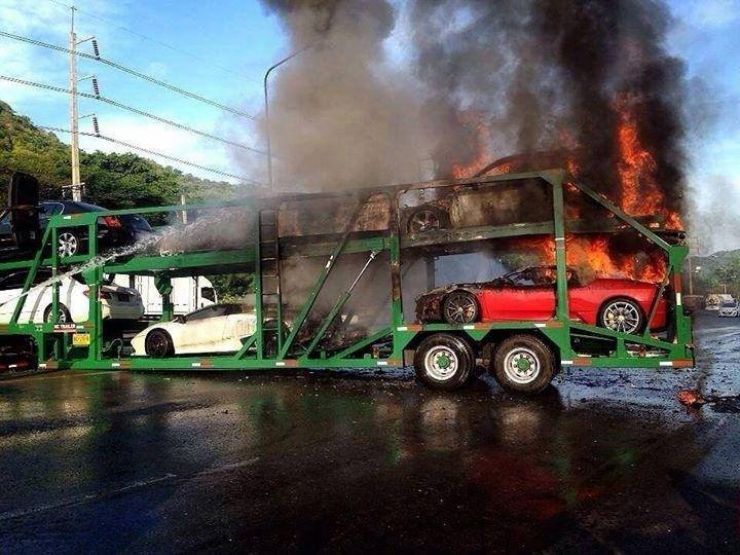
{"x": 220, "y": 50}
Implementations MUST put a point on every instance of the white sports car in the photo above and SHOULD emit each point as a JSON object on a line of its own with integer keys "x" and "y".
{"x": 219, "y": 328}
{"x": 116, "y": 302}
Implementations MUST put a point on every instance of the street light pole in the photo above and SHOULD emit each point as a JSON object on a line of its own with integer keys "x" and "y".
{"x": 267, "y": 107}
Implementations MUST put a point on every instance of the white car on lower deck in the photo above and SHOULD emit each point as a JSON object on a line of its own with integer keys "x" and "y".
{"x": 117, "y": 303}
{"x": 219, "y": 328}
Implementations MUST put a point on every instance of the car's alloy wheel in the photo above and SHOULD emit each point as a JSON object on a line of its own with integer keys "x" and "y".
{"x": 68, "y": 244}
{"x": 158, "y": 344}
{"x": 460, "y": 307}
{"x": 622, "y": 315}
{"x": 64, "y": 316}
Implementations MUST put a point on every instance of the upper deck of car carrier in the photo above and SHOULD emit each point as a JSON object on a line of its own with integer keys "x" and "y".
{"x": 385, "y": 227}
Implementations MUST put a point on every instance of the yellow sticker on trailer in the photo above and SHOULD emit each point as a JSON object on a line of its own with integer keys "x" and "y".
{"x": 81, "y": 340}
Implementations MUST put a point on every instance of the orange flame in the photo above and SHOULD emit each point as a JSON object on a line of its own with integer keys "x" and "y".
{"x": 483, "y": 138}
{"x": 592, "y": 257}
{"x": 640, "y": 192}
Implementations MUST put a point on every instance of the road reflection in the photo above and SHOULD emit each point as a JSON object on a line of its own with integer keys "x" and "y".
{"x": 305, "y": 455}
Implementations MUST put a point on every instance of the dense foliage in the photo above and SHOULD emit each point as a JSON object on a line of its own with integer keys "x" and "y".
{"x": 111, "y": 180}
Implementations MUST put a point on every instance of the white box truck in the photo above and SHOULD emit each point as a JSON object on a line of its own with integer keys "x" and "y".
{"x": 188, "y": 293}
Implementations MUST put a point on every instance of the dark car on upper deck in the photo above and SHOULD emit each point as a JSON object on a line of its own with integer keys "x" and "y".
{"x": 113, "y": 231}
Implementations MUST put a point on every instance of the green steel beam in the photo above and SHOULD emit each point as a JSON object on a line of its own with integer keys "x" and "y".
{"x": 369, "y": 340}
{"x": 29, "y": 278}
{"x": 341, "y": 301}
{"x": 308, "y": 305}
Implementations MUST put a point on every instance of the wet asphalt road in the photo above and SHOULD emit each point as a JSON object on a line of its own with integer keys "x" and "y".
{"x": 605, "y": 461}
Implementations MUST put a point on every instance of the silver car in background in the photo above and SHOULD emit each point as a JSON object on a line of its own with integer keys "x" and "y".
{"x": 729, "y": 309}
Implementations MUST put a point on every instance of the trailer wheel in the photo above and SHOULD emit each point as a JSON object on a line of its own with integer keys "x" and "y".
{"x": 443, "y": 361}
{"x": 64, "y": 316}
{"x": 158, "y": 344}
{"x": 523, "y": 364}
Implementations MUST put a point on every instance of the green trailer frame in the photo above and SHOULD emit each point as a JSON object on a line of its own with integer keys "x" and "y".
{"x": 81, "y": 345}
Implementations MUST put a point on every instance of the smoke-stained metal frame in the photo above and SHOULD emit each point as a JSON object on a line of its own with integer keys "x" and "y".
{"x": 57, "y": 349}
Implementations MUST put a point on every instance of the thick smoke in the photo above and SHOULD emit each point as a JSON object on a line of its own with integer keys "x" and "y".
{"x": 340, "y": 118}
{"x": 477, "y": 80}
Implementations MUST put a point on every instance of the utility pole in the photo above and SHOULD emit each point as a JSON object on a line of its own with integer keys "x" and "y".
{"x": 73, "y": 118}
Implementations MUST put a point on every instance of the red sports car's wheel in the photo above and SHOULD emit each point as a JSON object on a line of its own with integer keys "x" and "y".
{"x": 523, "y": 364}
{"x": 623, "y": 315}
{"x": 443, "y": 361}
{"x": 460, "y": 307}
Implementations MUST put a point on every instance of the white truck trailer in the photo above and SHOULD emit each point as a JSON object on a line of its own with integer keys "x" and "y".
{"x": 188, "y": 293}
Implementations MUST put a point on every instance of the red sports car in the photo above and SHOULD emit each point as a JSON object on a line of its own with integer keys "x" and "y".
{"x": 618, "y": 304}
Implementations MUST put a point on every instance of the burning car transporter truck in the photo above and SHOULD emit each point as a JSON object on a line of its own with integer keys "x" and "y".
{"x": 387, "y": 229}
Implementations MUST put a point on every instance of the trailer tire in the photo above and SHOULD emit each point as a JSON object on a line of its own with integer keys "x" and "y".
{"x": 443, "y": 361}
{"x": 64, "y": 316}
{"x": 524, "y": 363}
{"x": 158, "y": 344}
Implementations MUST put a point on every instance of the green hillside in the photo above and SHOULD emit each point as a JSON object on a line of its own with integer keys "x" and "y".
{"x": 111, "y": 180}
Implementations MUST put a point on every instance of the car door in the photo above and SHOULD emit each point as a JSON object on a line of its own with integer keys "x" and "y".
{"x": 10, "y": 287}
{"x": 204, "y": 329}
{"x": 239, "y": 325}
{"x": 525, "y": 295}
{"x": 11, "y": 290}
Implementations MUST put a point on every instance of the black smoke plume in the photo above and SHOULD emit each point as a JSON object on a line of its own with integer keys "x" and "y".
{"x": 468, "y": 81}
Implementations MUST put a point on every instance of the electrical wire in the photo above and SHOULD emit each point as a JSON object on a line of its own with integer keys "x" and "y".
{"x": 133, "y": 72}
{"x": 154, "y": 153}
{"x": 131, "y": 109}
{"x": 152, "y": 40}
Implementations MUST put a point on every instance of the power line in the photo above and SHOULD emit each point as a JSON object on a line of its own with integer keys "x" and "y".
{"x": 133, "y": 72}
{"x": 153, "y": 40}
{"x": 131, "y": 109}
{"x": 155, "y": 153}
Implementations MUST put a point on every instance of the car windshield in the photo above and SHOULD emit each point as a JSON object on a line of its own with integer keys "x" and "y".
{"x": 214, "y": 311}
{"x": 80, "y": 207}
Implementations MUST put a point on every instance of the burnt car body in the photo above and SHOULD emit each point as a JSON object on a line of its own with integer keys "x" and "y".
{"x": 618, "y": 304}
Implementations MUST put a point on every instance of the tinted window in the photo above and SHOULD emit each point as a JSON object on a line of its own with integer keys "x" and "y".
{"x": 13, "y": 281}
{"x": 729, "y": 304}
{"x": 208, "y": 312}
{"x": 533, "y": 277}
{"x": 80, "y": 207}
{"x": 540, "y": 276}
{"x": 236, "y": 309}
{"x": 51, "y": 209}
